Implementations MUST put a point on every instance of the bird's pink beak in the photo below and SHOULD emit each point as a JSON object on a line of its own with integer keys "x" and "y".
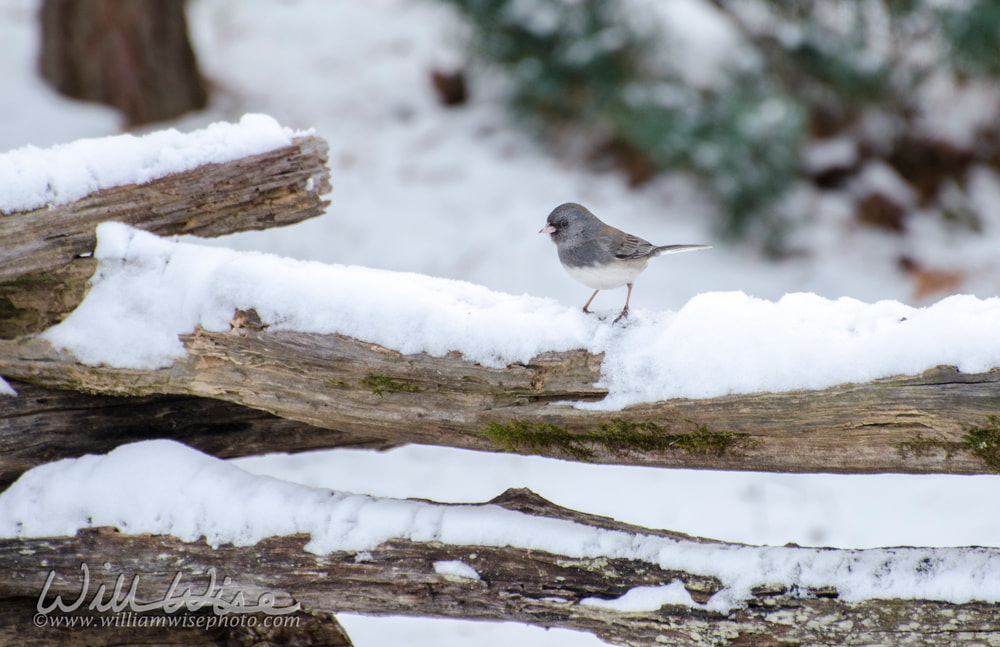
{"x": 547, "y": 229}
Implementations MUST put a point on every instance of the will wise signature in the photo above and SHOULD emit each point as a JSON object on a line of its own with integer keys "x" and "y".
{"x": 173, "y": 600}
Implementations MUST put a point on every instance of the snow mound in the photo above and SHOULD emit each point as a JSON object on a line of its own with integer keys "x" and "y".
{"x": 148, "y": 290}
{"x": 31, "y": 177}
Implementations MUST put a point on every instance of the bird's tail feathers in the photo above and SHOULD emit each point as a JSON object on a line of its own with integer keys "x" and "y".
{"x": 676, "y": 249}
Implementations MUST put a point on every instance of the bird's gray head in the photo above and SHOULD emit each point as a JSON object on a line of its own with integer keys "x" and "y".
{"x": 570, "y": 222}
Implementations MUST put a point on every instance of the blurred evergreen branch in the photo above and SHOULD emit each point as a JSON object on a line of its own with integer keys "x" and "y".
{"x": 972, "y": 29}
{"x": 598, "y": 68}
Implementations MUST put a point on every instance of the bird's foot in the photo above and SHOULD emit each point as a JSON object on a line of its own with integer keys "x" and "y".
{"x": 623, "y": 315}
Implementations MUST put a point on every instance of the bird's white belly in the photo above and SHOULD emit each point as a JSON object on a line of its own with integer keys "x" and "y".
{"x": 606, "y": 278}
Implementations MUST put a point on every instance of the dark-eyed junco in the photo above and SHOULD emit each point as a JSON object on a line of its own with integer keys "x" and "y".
{"x": 598, "y": 255}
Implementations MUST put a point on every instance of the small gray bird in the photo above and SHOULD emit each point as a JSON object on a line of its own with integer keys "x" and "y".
{"x": 598, "y": 255}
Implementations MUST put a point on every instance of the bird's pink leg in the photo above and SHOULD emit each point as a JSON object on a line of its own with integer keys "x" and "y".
{"x": 625, "y": 309}
{"x": 587, "y": 304}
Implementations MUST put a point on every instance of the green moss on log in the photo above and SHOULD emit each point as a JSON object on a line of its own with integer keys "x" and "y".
{"x": 984, "y": 442}
{"x": 382, "y": 384}
{"x": 617, "y": 436}
{"x": 980, "y": 440}
{"x": 538, "y": 438}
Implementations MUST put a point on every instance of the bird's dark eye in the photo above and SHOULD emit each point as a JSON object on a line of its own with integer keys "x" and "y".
{"x": 562, "y": 223}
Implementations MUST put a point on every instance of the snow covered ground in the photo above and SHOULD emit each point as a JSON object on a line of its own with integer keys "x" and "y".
{"x": 460, "y": 194}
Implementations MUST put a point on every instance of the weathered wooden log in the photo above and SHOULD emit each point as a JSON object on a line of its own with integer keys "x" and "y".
{"x": 401, "y": 577}
{"x": 942, "y": 421}
{"x": 43, "y": 425}
{"x": 44, "y": 254}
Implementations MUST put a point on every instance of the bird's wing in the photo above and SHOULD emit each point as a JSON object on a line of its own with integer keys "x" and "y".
{"x": 632, "y": 247}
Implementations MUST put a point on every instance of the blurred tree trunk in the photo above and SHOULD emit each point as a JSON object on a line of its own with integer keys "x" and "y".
{"x": 134, "y": 56}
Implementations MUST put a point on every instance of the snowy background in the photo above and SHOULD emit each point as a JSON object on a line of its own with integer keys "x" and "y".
{"x": 460, "y": 194}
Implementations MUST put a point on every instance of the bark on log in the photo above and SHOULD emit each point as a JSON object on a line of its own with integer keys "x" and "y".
{"x": 44, "y": 263}
{"x": 43, "y": 425}
{"x": 934, "y": 423}
{"x": 399, "y": 578}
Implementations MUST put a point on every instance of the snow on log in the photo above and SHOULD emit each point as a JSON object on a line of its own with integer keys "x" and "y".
{"x": 518, "y": 557}
{"x": 804, "y": 384}
{"x": 219, "y": 180}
